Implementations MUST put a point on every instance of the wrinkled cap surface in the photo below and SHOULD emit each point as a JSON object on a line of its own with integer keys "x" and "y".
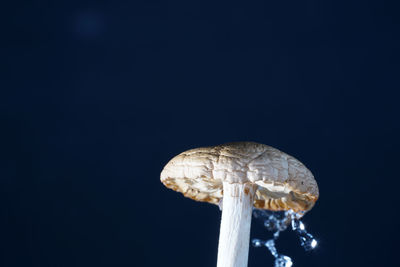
{"x": 281, "y": 181}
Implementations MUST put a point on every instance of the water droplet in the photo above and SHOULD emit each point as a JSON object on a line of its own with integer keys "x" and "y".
{"x": 278, "y": 222}
{"x": 273, "y": 221}
{"x": 268, "y": 224}
{"x": 257, "y": 243}
{"x": 283, "y": 261}
{"x": 301, "y": 226}
{"x": 314, "y": 243}
{"x": 270, "y": 244}
{"x": 308, "y": 242}
{"x": 298, "y": 226}
{"x": 276, "y": 235}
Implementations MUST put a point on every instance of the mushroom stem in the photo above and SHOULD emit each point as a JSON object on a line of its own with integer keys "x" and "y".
{"x": 234, "y": 236}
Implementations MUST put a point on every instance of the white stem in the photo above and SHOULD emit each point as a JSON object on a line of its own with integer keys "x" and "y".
{"x": 234, "y": 236}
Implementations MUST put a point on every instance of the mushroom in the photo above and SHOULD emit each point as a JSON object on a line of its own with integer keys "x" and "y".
{"x": 241, "y": 175}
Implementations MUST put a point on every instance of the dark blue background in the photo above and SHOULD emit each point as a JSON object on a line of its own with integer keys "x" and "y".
{"x": 97, "y": 96}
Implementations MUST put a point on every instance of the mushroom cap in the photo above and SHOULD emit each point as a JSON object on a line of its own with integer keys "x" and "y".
{"x": 281, "y": 181}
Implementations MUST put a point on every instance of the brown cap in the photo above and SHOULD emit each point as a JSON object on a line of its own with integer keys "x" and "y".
{"x": 282, "y": 182}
